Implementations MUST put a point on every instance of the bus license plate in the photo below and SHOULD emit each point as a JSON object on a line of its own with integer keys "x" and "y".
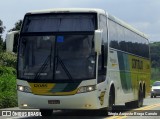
{"x": 53, "y": 101}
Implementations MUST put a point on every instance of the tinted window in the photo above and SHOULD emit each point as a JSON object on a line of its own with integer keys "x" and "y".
{"x": 59, "y": 22}
{"x": 126, "y": 40}
{"x": 103, "y": 26}
{"x": 113, "y": 35}
{"x": 56, "y": 57}
{"x": 102, "y": 61}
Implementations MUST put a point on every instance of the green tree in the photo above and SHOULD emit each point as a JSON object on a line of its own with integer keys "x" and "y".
{"x": 2, "y": 28}
{"x": 155, "y": 61}
{"x": 8, "y": 93}
{"x": 17, "y": 26}
{"x": 155, "y": 54}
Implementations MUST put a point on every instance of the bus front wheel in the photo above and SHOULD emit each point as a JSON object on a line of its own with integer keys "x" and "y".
{"x": 111, "y": 100}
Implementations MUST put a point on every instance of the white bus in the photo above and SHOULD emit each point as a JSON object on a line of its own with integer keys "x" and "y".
{"x": 80, "y": 59}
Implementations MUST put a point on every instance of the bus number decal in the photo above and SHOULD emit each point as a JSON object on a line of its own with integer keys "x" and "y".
{"x": 40, "y": 85}
{"x": 137, "y": 64}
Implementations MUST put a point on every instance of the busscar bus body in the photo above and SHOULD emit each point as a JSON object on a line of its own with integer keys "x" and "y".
{"x": 80, "y": 59}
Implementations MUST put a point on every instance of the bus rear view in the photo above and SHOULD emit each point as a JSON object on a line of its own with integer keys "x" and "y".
{"x": 57, "y": 61}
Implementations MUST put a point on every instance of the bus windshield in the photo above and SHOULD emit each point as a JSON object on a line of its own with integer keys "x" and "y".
{"x": 57, "y": 46}
{"x": 56, "y": 57}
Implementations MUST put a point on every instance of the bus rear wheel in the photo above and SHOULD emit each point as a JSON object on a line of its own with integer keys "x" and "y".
{"x": 46, "y": 112}
{"x": 139, "y": 102}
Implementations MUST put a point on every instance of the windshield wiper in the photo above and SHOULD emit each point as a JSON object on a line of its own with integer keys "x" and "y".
{"x": 44, "y": 65}
{"x": 42, "y": 68}
{"x": 63, "y": 66}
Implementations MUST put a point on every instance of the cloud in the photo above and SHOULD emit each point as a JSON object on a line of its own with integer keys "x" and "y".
{"x": 152, "y": 29}
{"x": 143, "y": 26}
{"x": 143, "y": 14}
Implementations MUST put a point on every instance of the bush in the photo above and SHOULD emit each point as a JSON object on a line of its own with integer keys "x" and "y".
{"x": 8, "y": 99}
{"x": 8, "y": 93}
{"x": 7, "y": 71}
{"x": 8, "y": 59}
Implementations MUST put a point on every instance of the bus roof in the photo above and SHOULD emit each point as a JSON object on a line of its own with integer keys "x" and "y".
{"x": 61, "y": 10}
{"x": 94, "y": 10}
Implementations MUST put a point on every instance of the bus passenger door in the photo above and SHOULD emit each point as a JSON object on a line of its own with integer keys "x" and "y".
{"x": 102, "y": 62}
{"x": 101, "y": 85}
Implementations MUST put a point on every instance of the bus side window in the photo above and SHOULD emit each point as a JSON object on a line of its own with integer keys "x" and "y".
{"x": 101, "y": 67}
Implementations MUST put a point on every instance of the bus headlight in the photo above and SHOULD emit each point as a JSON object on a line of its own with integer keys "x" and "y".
{"x": 24, "y": 89}
{"x": 84, "y": 89}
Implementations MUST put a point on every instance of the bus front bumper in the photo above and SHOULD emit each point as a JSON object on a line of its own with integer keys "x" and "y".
{"x": 87, "y": 100}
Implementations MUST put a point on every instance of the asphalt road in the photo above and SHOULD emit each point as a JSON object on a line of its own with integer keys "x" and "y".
{"x": 151, "y": 107}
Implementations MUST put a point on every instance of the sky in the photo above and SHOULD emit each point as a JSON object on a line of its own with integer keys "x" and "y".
{"x": 143, "y": 15}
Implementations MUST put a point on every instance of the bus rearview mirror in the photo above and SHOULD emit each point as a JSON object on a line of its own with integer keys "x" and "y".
{"x": 11, "y": 40}
{"x": 98, "y": 41}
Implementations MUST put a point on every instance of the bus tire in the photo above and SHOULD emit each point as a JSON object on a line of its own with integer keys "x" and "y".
{"x": 111, "y": 100}
{"x": 139, "y": 102}
{"x": 46, "y": 112}
{"x": 144, "y": 91}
